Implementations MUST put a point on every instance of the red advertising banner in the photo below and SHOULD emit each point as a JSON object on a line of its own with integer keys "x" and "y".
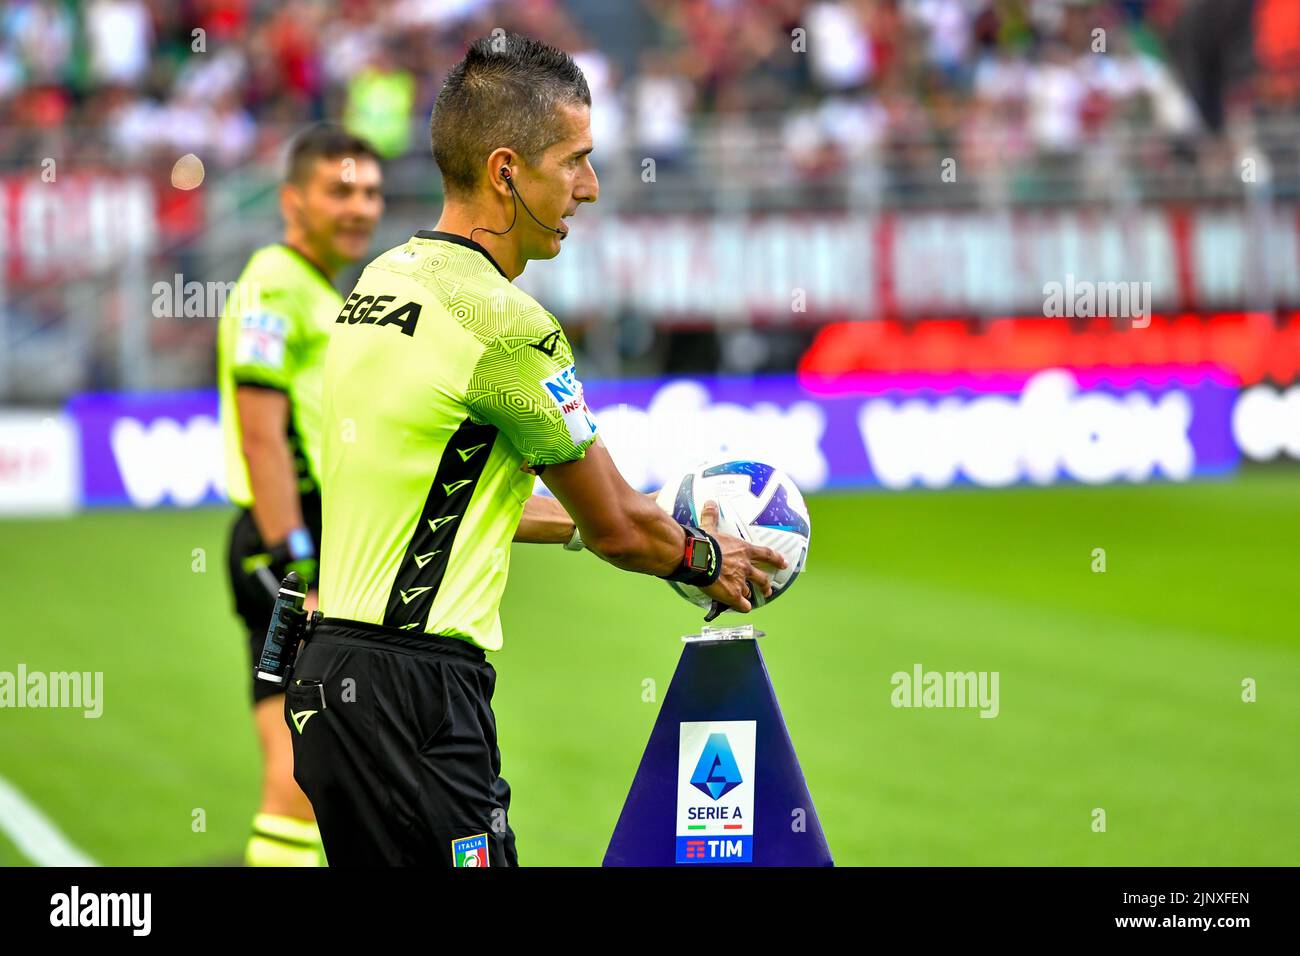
{"x": 74, "y": 225}
{"x": 1252, "y": 345}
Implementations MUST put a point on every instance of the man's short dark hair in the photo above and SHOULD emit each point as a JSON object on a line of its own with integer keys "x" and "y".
{"x": 323, "y": 141}
{"x": 503, "y": 93}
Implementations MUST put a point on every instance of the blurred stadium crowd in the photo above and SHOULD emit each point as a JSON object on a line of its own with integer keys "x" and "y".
{"x": 985, "y": 81}
{"x": 841, "y": 188}
{"x": 822, "y": 111}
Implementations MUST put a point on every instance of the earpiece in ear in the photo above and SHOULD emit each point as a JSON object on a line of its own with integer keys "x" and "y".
{"x": 505, "y": 172}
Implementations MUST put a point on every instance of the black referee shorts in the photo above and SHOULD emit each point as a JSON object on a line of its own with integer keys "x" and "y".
{"x": 395, "y": 744}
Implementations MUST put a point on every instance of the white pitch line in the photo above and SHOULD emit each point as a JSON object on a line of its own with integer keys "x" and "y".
{"x": 35, "y": 834}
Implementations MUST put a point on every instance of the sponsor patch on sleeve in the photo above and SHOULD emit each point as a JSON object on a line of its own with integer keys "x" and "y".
{"x": 566, "y": 391}
{"x": 261, "y": 340}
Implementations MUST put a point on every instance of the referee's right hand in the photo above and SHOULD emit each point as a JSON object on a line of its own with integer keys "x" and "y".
{"x": 630, "y": 531}
{"x": 740, "y": 570}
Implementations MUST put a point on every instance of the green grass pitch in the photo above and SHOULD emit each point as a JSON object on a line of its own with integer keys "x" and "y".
{"x": 1119, "y": 690}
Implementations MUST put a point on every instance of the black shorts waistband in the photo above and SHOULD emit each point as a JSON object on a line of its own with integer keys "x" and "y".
{"x": 338, "y": 630}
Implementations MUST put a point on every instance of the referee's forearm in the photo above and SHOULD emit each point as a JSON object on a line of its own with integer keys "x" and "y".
{"x": 544, "y": 522}
{"x": 650, "y": 543}
{"x": 271, "y": 477}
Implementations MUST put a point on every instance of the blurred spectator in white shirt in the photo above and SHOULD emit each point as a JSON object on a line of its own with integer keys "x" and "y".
{"x": 838, "y": 46}
{"x": 42, "y": 32}
{"x": 949, "y": 26}
{"x": 607, "y": 119}
{"x": 661, "y": 104}
{"x": 120, "y": 33}
{"x": 1057, "y": 94}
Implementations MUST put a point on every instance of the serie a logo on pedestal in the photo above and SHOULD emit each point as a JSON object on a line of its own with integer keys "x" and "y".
{"x": 715, "y": 792}
{"x": 470, "y": 851}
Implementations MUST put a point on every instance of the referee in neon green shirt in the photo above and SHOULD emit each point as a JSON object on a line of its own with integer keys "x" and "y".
{"x": 270, "y": 361}
{"x": 447, "y": 390}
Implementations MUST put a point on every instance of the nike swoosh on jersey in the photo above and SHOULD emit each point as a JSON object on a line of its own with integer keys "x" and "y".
{"x": 422, "y": 559}
{"x": 412, "y": 594}
{"x": 457, "y": 485}
{"x": 465, "y": 453}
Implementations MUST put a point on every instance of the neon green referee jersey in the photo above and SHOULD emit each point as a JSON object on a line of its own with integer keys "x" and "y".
{"x": 442, "y": 380}
{"x": 272, "y": 334}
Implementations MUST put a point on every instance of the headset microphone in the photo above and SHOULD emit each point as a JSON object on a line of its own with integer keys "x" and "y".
{"x": 519, "y": 201}
{"x": 505, "y": 174}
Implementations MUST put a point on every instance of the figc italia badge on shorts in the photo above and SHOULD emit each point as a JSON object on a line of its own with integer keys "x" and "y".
{"x": 470, "y": 851}
{"x": 715, "y": 791}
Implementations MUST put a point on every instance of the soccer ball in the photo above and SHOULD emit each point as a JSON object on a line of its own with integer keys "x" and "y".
{"x": 757, "y": 503}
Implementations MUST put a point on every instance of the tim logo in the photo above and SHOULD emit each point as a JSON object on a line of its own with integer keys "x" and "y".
{"x": 722, "y": 850}
{"x": 716, "y": 774}
{"x": 701, "y": 850}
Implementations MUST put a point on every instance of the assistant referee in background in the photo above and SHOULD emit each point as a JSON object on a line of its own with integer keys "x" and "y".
{"x": 270, "y": 362}
{"x": 447, "y": 389}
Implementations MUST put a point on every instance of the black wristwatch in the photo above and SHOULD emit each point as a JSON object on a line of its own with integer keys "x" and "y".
{"x": 701, "y": 559}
